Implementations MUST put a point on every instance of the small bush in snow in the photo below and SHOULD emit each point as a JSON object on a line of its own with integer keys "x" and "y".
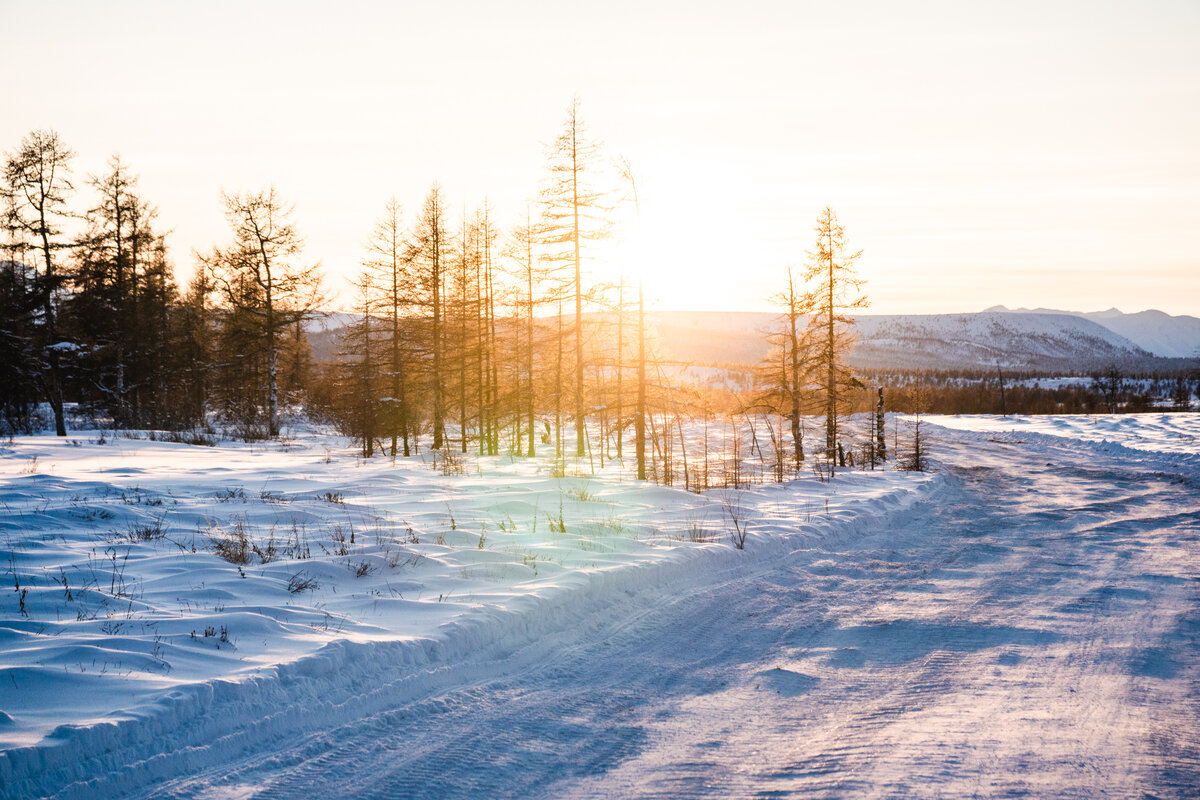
{"x": 146, "y": 533}
{"x": 579, "y": 493}
{"x": 697, "y": 531}
{"x": 302, "y": 582}
{"x": 231, "y": 544}
{"x": 731, "y": 509}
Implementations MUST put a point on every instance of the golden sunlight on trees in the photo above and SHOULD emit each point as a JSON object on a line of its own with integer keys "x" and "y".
{"x": 794, "y": 341}
{"x": 836, "y": 291}
{"x": 574, "y": 210}
{"x": 387, "y": 267}
{"x": 430, "y": 252}
{"x": 459, "y": 331}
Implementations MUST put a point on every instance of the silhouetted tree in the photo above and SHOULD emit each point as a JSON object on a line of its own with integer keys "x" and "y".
{"x": 123, "y": 297}
{"x": 1110, "y": 383}
{"x": 258, "y": 275}
{"x": 35, "y": 188}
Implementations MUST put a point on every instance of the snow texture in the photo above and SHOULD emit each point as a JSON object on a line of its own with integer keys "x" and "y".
{"x": 1023, "y": 622}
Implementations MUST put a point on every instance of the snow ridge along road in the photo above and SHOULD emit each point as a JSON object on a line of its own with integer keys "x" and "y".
{"x": 1032, "y": 630}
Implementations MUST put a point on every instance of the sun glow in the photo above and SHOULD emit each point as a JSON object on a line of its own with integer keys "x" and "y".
{"x": 681, "y": 239}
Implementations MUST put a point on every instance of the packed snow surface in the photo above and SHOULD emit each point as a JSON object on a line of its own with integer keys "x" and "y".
{"x": 1162, "y": 433}
{"x": 1023, "y": 621}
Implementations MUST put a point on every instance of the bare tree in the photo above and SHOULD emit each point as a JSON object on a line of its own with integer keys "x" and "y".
{"x": 574, "y": 211}
{"x": 389, "y": 264}
{"x": 35, "y": 188}
{"x": 639, "y": 420}
{"x": 430, "y": 249}
{"x": 538, "y": 286}
{"x": 797, "y": 345}
{"x": 1110, "y": 383}
{"x": 258, "y": 274}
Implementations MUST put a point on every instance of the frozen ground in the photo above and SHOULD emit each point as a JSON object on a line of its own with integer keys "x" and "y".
{"x": 1023, "y": 623}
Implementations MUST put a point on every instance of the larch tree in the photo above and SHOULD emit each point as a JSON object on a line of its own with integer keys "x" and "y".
{"x": 260, "y": 275}
{"x": 574, "y": 212}
{"x": 430, "y": 251}
{"x": 836, "y": 290}
{"x": 388, "y": 262}
{"x": 627, "y": 175}
{"x": 536, "y": 285}
{"x": 121, "y": 303}
{"x": 796, "y": 341}
{"x": 639, "y": 419}
{"x": 361, "y": 347}
{"x": 19, "y": 311}
{"x": 35, "y": 188}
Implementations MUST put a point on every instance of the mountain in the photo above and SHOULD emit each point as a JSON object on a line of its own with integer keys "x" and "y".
{"x": 1036, "y": 340}
{"x": 1159, "y": 333}
{"x": 982, "y": 340}
{"x": 1015, "y": 340}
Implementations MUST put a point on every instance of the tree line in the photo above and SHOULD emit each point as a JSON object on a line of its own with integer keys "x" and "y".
{"x": 467, "y": 334}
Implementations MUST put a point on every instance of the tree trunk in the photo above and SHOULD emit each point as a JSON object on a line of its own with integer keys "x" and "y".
{"x": 640, "y": 419}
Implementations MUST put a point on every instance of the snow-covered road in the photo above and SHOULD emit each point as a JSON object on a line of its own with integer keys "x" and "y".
{"x": 1033, "y": 632}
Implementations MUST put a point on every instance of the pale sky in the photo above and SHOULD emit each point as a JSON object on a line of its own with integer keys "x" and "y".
{"x": 1023, "y": 153}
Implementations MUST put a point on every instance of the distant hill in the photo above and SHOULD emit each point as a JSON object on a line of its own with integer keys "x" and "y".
{"x": 1154, "y": 331}
{"x": 1016, "y": 340}
{"x": 964, "y": 341}
{"x": 1036, "y": 340}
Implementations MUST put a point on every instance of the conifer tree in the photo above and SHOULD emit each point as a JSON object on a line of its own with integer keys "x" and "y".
{"x": 797, "y": 355}
{"x": 389, "y": 262}
{"x": 259, "y": 275}
{"x": 429, "y": 253}
{"x": 836, "y": 290}
{"x": 574, "y": 211}
{"x": 35, "y": 188}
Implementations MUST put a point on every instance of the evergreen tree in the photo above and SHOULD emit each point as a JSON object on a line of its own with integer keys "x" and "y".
{"x": 35, "y": 188}
{"x": 259, "y": 279}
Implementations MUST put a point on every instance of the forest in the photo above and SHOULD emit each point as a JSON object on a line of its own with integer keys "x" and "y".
{"x": 466, "y": 334}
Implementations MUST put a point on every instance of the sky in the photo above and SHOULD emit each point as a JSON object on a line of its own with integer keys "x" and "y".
{"x": 1036, "y": 154}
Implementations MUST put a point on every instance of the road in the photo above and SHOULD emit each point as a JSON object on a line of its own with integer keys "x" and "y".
{"x": 1033, "y": 633}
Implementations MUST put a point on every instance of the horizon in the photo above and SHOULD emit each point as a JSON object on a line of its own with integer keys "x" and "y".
{"x": 1023, "y": 156}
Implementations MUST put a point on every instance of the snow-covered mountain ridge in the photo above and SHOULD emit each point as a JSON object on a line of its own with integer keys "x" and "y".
{"x": 1160, "y": 333}
{"x": 1034, "y": 340}
{"x": 962, "y": 341}
{"x": 1039, "y": 339}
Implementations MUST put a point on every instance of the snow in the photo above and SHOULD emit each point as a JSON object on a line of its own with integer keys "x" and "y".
{"x": 1162, "y": 433}
{"x": 1020, "y": 622}
{"x": 1029, "y": 340}
{"x": 124, "y": 613}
